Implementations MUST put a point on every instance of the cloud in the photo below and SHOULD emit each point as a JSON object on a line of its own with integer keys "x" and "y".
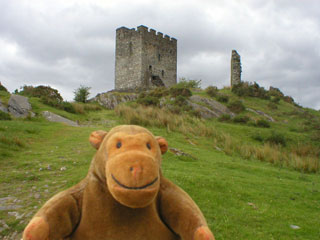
{"x": 66, "y": 44}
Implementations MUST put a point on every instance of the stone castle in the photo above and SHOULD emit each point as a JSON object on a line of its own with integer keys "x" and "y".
{"x": 144, "y": 59}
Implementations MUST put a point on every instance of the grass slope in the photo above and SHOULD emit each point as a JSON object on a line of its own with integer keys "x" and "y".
{"x": 241, "y": 199}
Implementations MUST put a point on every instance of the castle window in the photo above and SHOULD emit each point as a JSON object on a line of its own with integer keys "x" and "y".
{"x": 130, "y": 48}
{"x": 150, "y": 68}
{"x": 159, "y": 57}
{"x": 162, "y": 73}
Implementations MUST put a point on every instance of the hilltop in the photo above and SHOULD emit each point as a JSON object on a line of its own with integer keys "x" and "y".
{"x": 252, "y": 169}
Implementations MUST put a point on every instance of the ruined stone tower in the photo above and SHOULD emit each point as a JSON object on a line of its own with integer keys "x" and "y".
{"x": 235, "y": 68}
{"x": 144, "y": 59}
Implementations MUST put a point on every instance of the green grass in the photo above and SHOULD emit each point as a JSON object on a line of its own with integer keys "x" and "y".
{"x": 241, "y": 199}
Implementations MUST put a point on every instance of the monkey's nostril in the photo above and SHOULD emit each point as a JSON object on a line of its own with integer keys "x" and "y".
{"x": 131, "y": 169}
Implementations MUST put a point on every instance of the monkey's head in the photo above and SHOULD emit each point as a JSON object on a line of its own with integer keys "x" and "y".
{"x": 129, "y": 158}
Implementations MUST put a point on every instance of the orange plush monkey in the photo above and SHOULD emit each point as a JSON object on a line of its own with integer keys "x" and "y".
{"x": 124, "y": 196}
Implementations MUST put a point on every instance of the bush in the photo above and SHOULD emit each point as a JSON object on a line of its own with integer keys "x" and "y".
{"x": 275, "y": 92}
{"x": 180, "y": 91}
{"x": 236, "y": 106}
{"x": 276, "y": 139}
{"x": 183, "y": 82}
{"x": 272, "y": 106}
{"x": 2, "y": 88}
{"x": 81, "y": 94}
{"x": 68, "y": 107}
{"x": 288, "y": 99}
{"x": 180, "y": 101}
{"x": 275, "y": 100}
{"x": 222, "y": 98}
{"x": 240, "y": 119}
{"x": 250, "y": 90}
{"x": 257, "y": 137}
{"x": 148, "y": 101}
{"x": 212, "y": 91}
{"x": 51, "y": 94}
{"x": 159, "y": 92}
{"x": 263, "y": 123}
{"x": 224, "y": 118}
{"x": 4, "y": 116}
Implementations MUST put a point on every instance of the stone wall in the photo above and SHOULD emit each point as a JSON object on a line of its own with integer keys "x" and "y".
{"x": 235, "y": 68}
{"x": 144, "y": 56}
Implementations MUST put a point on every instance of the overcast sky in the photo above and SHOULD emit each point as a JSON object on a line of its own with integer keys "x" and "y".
{"x": 65, "y": 44}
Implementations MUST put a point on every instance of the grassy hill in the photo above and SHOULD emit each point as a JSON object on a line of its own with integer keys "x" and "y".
{"x": 251, "y": 182}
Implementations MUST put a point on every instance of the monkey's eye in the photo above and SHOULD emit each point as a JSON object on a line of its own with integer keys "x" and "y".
{"x": 119, "y": 144}
{"x": 148, "y": 146}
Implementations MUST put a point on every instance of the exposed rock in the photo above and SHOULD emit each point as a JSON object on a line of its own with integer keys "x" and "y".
{"x": 111, "y": 99}
{"x": 178, "y": 152}
{"x": 3, "y": 108}
{"x": 261, "y": 113}
{"x": 208, "y": 108}
{"x": 19, "y": 106}
{"x": 57, "y": 118}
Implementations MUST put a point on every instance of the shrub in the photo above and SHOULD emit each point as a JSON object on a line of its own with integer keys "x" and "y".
{"x": 42, "y": 92}
{"x": 251, "y": 90}
{"x": 263, "y": 123}
{"x": 212, "y": 91}
{"x": 222, "y": 98}
{"x": 240, "y": 119}
{"x": 257, "y": 137}
{"x": 2, "y": 88}
{"x": 148, "y": 101}
{"x": 275, "y": 92}
{"x": 272, "y": 105}
{"x": 180, "y": 91}
{"x": 183, "y": 82}
{"x": 68, "y": 107}
{"x": 224, "y": 118}
{"x": 180, "y": 101}
{"x": 81, "y": 94}
{"x": 4, "y": 116}
{"x": 159, "y": 92}
{"x": 288, "y": 99}
{"x": 275, "y": 99}
{"x": 276, "y": 139}
{"x": 236, "y": 106}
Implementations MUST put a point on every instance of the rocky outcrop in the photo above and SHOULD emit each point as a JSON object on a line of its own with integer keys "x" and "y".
{"x": 208, "y": 108}
{"x": 19, "y": 106}
{"x": 261, "y": 114}
{"x": 111, "y": 99}
{"x": 57, "y": 118}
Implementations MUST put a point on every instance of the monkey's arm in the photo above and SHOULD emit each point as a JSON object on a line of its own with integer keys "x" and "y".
{"x": 181, "y": 213}
{"x": 57, "y": 218}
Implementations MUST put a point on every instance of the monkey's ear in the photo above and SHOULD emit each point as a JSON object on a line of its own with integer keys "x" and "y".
{"x": 96, "y": 138}
{"x": 163, "y": 144}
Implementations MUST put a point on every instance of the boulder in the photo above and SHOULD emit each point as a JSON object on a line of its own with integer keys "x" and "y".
{"x": 57, "y": 118}
{"x": 19, "y": 106}
{"x": 111, "y": 99}
{"x": 208, "y": 108}
{"x": 262, "y": 114}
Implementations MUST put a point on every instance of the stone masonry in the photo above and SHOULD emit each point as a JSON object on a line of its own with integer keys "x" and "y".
{"x": 235, "y": 68}
{"x": 144, "y": 59}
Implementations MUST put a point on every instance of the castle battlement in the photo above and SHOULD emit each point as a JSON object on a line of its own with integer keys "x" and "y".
{"x": 144, "y": 58}
{"x": 143, "y": 30}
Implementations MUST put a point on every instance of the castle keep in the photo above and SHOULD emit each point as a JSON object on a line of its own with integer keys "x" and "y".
{"x": 144, "y": 59}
